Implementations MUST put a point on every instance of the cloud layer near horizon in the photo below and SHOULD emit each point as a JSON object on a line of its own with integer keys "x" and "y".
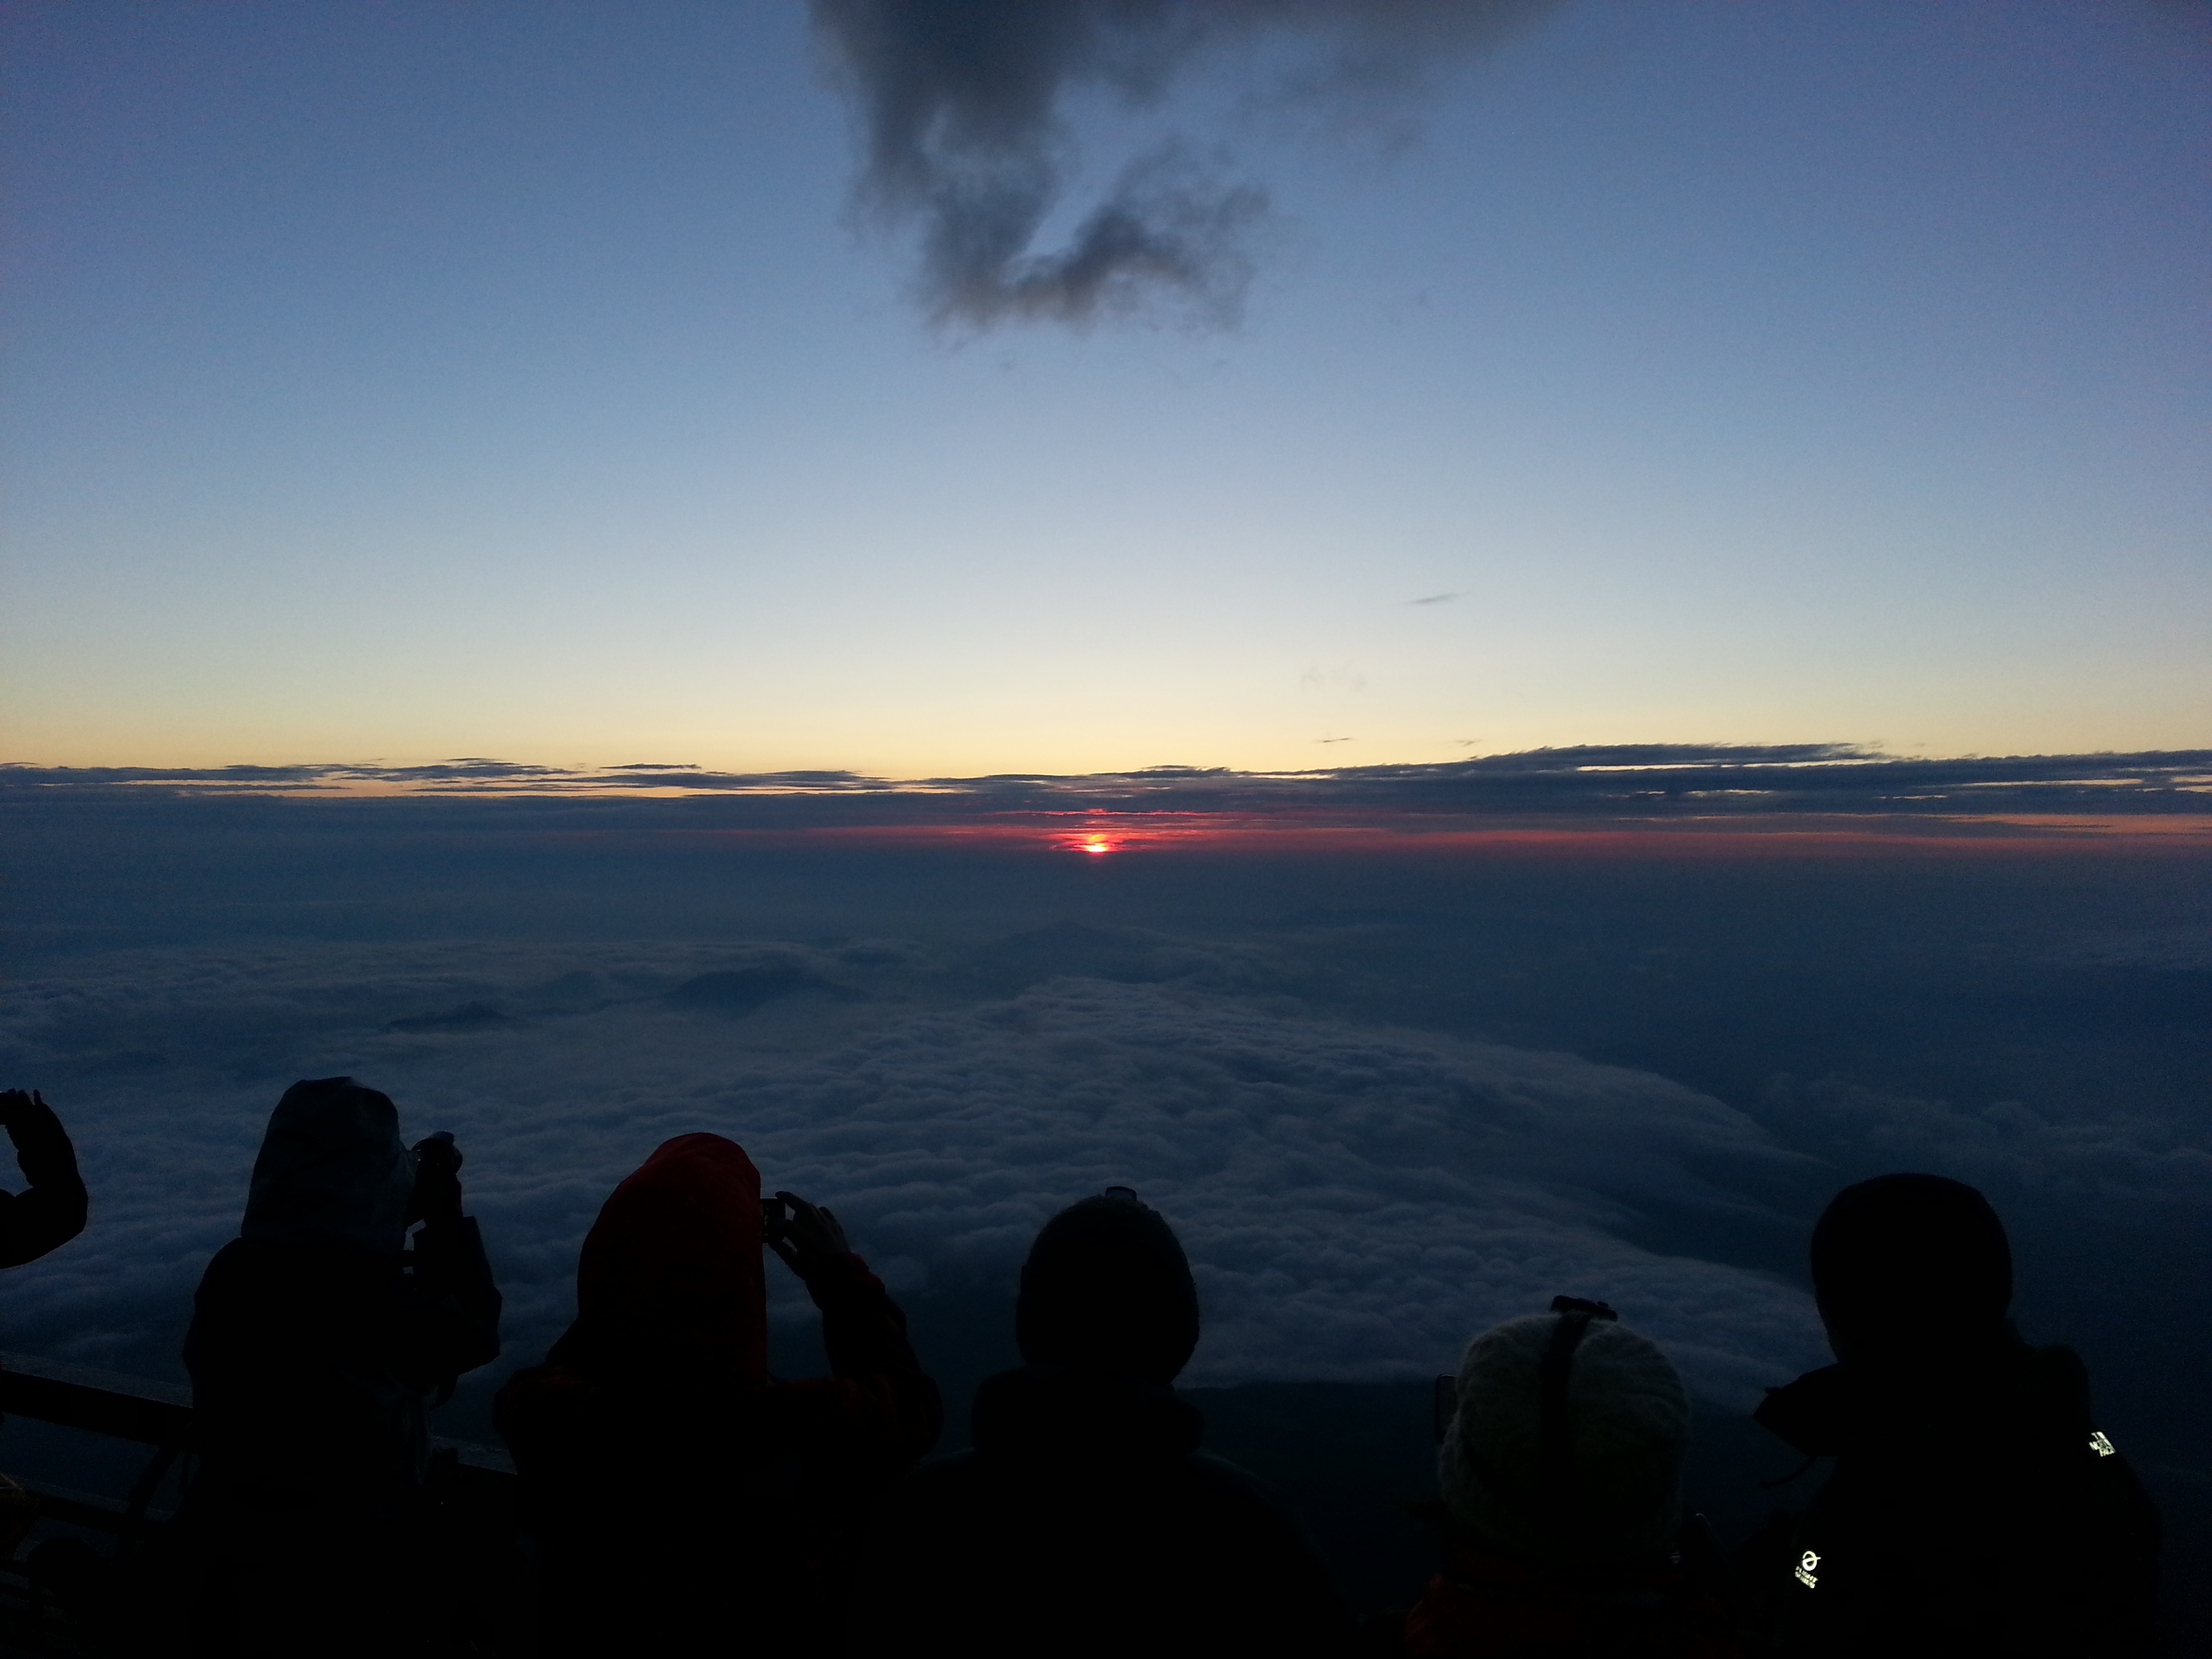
{"x": 1640, "y": 782}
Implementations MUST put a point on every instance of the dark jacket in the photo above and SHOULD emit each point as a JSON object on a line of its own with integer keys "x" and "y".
{"x": 1974, "y": 1508}
{"x": 313, "y": 1365}
{"x": 1086, "y": 1521}
{"x": 1490, "y": 1605}
{"x": 52, "y": 1211}
{"x": 319, "y": 1343}
{"x": 317, "y": 1339}
{"x": 682, "y": 1500}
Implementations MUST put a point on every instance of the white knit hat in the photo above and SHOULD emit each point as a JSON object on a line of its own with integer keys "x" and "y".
{"x": 1609, "y": 1489}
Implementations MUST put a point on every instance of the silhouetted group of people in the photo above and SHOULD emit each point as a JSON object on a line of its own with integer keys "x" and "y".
{"x": 679, "y": 1499}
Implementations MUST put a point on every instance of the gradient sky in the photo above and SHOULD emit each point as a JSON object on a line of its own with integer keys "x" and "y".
{"x": 395, "y": 380}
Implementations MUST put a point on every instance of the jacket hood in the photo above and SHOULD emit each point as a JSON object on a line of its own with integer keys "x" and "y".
{"x": 1908, "y": 1264}
{"x": 670, "y": 1289}
{"x": 1073, "y": 1413}
{"x": 331, "y": 1170}
{"x": 1107, "y": 1286}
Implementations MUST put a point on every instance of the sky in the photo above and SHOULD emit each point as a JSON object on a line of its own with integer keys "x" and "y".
{"x": 582, "y": 385}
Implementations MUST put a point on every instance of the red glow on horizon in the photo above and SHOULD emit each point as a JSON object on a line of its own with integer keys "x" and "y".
{"x": 1783, "y": 836}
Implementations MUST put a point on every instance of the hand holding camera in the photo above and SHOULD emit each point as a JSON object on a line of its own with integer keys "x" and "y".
{"x": 437, "y": 1195}
{"x": 805, "y": 1235}
{"x": 15, "y": 1101}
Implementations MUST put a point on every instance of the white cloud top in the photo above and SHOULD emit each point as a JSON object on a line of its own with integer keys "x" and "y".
{"x": 1356, "y": 1202}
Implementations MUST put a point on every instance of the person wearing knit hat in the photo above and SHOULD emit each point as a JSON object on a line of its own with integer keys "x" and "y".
{"x": 1976, "y": 1506}
{"x": 1086, "y": 1520}
{"x": 1561, "y": 1471}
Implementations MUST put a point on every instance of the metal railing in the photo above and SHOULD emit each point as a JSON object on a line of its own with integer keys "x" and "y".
{"x": 41, "y": 1609}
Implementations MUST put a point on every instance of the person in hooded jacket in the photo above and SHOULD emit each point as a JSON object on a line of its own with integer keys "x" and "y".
{"x": 319, "y": 1343}
{"x": 50, "y": 1212}
{"x": 683, "y": 1501}
{"x": 1563, "y": 1520}
{"x": 1975, "y": 1506}
{"x": 1086, "y": 1520}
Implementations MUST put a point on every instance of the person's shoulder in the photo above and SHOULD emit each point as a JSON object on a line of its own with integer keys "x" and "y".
{"x": 2057, "y": 1374}
{"x": 1212, "y": 1469}
{"x": 542, "y": 1405}
{"x": 283, "y": 1256}
{"x": 1234, "y": 1489}
{"x": 948, "y": 1469}
{"x": 1811, "y": 1415}
{"x": 937, "y": 1504}
{"x": 941, "y": 1480}
{"x": 247, "y": 1265}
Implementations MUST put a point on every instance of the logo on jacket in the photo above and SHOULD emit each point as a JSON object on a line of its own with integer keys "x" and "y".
{"x": 1806, "y": 1563}
{"x": 2100, "y": 1445}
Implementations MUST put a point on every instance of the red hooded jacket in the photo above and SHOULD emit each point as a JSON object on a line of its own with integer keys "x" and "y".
{"x": 683, "y": 1501}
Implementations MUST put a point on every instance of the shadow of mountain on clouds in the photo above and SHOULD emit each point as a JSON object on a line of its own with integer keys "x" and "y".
{"x": 735, "y": 992}
{"x": 739, "y": 991}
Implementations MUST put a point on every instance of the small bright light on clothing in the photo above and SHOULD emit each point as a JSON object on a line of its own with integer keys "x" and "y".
{"x": 2100, "y": 1445}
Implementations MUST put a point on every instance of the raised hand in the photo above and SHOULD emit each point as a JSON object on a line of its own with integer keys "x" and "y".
{"x": 437, "y": 1195}
{"x": 811, "y": 1234}
{"x": 13, "y": 1101}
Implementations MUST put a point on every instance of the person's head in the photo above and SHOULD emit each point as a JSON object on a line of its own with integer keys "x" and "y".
{"x": 1567, "y": 1441}
{"x": 1907, "y": 1265}
{"x": 1107, "y": 1286}
{"x": 332, "y": 1169}
{"x": 669, "y": 1286}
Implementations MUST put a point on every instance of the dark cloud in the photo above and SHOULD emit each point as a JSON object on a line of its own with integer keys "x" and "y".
{"x": 963, "y": 109}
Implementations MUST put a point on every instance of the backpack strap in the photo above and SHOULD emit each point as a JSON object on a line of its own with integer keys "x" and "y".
{"x": 1557, "y": 1430}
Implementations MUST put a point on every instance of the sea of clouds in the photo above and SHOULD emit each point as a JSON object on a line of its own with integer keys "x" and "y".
{"x": 1356, "y": 1201}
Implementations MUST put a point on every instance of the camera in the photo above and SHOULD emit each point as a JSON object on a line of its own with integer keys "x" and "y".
{"x": 436, "y": 1153}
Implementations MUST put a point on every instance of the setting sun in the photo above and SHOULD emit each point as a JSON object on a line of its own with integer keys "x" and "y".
{"x": 1097, "y": 844}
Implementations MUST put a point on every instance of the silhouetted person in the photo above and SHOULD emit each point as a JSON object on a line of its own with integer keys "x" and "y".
{"x": 318, "y": 1345}
{"x": 50, "y": 1211}
{"x": 683, "y": 1501}
{"x": 1974, "y": 1508}
{"x": 1086, "y": 1521}
{"x": 1562, "y": 1481}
